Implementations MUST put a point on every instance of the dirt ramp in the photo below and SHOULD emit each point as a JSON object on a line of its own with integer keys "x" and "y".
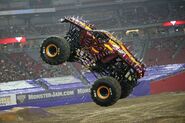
{"x": 19, "y": 114}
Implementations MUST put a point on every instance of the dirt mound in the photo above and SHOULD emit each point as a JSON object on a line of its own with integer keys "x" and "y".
{"x": 19, "y": 114}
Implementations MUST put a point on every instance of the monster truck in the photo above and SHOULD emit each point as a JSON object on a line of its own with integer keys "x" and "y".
{"x": 101, "y": 53}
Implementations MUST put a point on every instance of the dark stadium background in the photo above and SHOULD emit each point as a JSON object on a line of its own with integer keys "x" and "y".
{"x": 140, "y": 23}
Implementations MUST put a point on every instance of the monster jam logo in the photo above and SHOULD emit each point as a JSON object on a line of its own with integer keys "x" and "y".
{"x": 83, "y": 90}
{"x": 21, "y": 98}
{"x": 51, "y": 95}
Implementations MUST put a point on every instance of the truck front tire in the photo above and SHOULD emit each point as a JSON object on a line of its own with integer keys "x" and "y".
{"x": 106, "y": 91}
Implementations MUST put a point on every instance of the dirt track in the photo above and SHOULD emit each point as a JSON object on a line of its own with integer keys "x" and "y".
{"x": 163, "y": 108}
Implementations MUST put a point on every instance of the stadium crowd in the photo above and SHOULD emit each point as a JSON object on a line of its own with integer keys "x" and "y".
{"x": 166, "y": 51}
{"x": 126, "y": 16}
{"x": 20, "y": 66}
{"x": 161, "y": 50}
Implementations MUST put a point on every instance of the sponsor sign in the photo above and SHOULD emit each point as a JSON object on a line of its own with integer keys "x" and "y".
{"x": 13, "y": 40}
{"x": 7, "y": 100}
{"x": 174, "y": 23}
{"x": 83, "y": 90}
{"x": 51, "y": 95}
{"x": 23, "y": 98}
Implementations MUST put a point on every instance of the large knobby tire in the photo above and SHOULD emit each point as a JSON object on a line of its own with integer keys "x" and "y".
{"x": 55, "y": 50}
{"x": 72, "y": 57}
{"x": 106, "y": 91}
{"x": 126, "y": 89}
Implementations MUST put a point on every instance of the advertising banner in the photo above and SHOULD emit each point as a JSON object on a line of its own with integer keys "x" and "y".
{"x": 13, "y": 40}
{"x": 7, "y": 100}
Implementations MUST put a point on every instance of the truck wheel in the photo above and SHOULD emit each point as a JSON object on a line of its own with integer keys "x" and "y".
{"x": 126, "y": 89}
{"x": 55, "y": 50}
{"x": 72, "y": 57}
{"x": 106, "y": 91}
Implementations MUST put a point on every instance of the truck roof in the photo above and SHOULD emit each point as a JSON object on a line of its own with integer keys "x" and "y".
{"x": 78, "y": 22}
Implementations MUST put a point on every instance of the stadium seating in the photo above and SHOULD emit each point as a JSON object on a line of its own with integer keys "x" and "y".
{"x": 166, "y": 51}
{"x": 10, "y": 71}
{"x": 121, "y": 16}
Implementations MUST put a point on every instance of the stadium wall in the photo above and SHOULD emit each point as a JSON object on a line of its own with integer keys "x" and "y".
{"x": 169, "y": 84}
{"x": 47, "y": 92}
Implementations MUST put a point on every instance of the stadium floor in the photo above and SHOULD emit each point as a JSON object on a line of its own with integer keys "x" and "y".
{"x": 163, "y": 108}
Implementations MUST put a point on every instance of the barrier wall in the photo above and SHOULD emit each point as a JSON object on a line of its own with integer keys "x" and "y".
{"x": 44, "y": 92}
{"x": 158, "y": 73}
{"x": 66, "y": 90}
{"x": 169, "y": 84}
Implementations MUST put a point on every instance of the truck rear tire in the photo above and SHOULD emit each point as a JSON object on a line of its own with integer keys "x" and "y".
{"x": 126, "y": 89}
{"x": 55, "y": 50}
{"x": 106, "y": 91}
